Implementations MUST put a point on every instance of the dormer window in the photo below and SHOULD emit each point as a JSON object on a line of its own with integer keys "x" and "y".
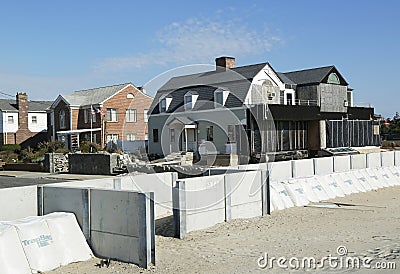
{"x": 164, "y": 104}
{"x": 220, "y": 96}
{"x": 190, "y": 100}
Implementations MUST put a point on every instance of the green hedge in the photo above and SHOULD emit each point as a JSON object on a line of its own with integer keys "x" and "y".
{"x": 10, "y": 147}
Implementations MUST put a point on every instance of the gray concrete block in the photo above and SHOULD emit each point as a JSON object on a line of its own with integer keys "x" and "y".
{"x": 374, "y": 160}
{"x": 323, "y": 166}
{"x": 341, "y": 163}
{"x": 358, "y": 161}
{"x": 279, "y": 171}
{"x": 387, "y": 158}
{"x": 302, "y": 168}
{"x": 18, "y": 202}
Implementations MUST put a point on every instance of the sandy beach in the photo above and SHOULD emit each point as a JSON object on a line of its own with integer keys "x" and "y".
{"x": 369, "y": 226}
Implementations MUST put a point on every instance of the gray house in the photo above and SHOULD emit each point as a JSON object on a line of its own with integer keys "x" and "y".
{"x": 254, "y": 110}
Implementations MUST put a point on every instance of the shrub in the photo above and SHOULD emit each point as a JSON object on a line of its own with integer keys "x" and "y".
{"x": 10, "y": 148}
{"x": 88, "y": 147}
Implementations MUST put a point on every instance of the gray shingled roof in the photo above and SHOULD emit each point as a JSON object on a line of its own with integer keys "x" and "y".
{"x": 285, "y": 79}
{"x": 11, "y": 105}
{"x": 92, "y": 96}
{"x": 312, "y": 76}
{"x": 237, "y": 81}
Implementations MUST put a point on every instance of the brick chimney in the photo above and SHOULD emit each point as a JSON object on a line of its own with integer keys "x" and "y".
{"x": 224, "y": 63}
{"x": 22, "y": 104}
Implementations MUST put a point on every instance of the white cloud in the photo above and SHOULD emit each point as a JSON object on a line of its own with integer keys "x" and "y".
{"x": 196, "y": 41}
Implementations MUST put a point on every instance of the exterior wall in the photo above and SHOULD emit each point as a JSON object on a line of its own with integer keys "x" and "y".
{"x": 10, "y": 127}
{"x": 61, "y": 106}
{"x": 41, "y": 124}
{"x": 140, "y": 102}
{"x": 308, "y": 93}
{"x": 332, "y": 97}
{"x": 218, "y": 118}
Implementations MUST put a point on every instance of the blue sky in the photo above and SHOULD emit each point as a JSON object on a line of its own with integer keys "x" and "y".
{"x": 52, "y": 47}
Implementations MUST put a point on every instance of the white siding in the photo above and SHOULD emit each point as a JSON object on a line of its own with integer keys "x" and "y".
{"x": 41, "y": 124}
{"x": 9, "y": 127}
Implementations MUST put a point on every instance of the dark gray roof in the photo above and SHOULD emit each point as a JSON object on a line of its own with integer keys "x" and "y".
{"x": 312, "y": 76}
{"x": 236, "y": 80}
{"x": 285, "y": 79}
{"x": 11, "y": 105}
{"x": 92, "y": 96}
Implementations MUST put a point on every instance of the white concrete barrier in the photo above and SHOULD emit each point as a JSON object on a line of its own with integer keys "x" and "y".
{"x": 379, "y": 181}
{"x": 323, "y": 166}
{"x": 328, "y": 189}
{"x": 18, "y": 202}
{"x": 329, "y": 181}
{"x": 302, "y": 168}
{"x": 339, "y": 180}
{"x": 199, "y": 203}
{"x": 358, "y": 161}
{"x": 308, "y": 189}
{"x": 318, "y": 189}
{"x": 372, "y": 181}
{"x": 245, "y": 199}
{"x": 362, "y": 179}
{"x": 397, "y": 158}
{"x": 374, "y": 160}
{"x": 280, "y": 170}
{"x": 387, "y": 176}
{"x": 341, "y": 163}
{"x": 387, "y": 158}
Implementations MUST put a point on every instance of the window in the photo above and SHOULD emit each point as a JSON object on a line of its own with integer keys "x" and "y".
{"x": 163, "y": 105}
{"x": 188, "y": 101}
{"x": 220, "y": 96}
{"x": 112, "y": 138}
{"x": 130, "y": 137}
{"x": 130, "y": 96}
{"x": 155, "y": 135}
{"x": 210, "y": 133}
{"x": 34, "y": 119}
{"x": 112, "y": 115}
{"x": 85, "y": 115}
{"x": 131, "y": 115}
{"x": 94, "y": 116}
{"x": 146, "y": 117}
{"x": 172, "y": 135}
{"x": 146, "y": 136}
{"x": 231, "y": 133}
{"x": 10, "y": 119}
{"x": 62, "y": 118}
{"x": 333, "y": 79}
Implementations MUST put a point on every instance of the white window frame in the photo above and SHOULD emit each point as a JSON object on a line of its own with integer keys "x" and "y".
{"x": 145, "y": 115}
{"x": 34, "y": 120}
{"x": 224, "y": 93}
{"x": 10, "y": 121}
{"x": 131, "y": 115}
{"x": 111, "y": 114}
{"x": 131, "y": 137}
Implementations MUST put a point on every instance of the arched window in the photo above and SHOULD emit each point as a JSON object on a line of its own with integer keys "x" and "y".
{"x": 62, "y": 118}
{"x": 333, "y": 79}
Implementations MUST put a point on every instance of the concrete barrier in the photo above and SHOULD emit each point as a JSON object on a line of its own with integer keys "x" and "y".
{"x": 323, "y": 166}
{"x": 358, "y": 161}
{"x": 302, "y": 168}
{"x": 373, "y": 160}
{"x": 245, "y": 199}
{"x": 387, "y": 158}
{"x": 159, "y": 183}
{"x": 341, "y": 163}
{"x": 199, "y": 203}
{"x": 122, "y": 226}
{"x": 18, "y": 202}
{"x": 397, "y": 158}
{"x": 280, "y": 170}
{"x": 117, "y": 224}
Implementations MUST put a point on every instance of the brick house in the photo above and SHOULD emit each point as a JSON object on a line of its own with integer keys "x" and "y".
{"x": 23, "y": 122}
{"x": 101, "y": 115}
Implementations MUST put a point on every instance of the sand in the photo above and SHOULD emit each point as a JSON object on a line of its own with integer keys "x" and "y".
{"x": 372, "y": 228}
